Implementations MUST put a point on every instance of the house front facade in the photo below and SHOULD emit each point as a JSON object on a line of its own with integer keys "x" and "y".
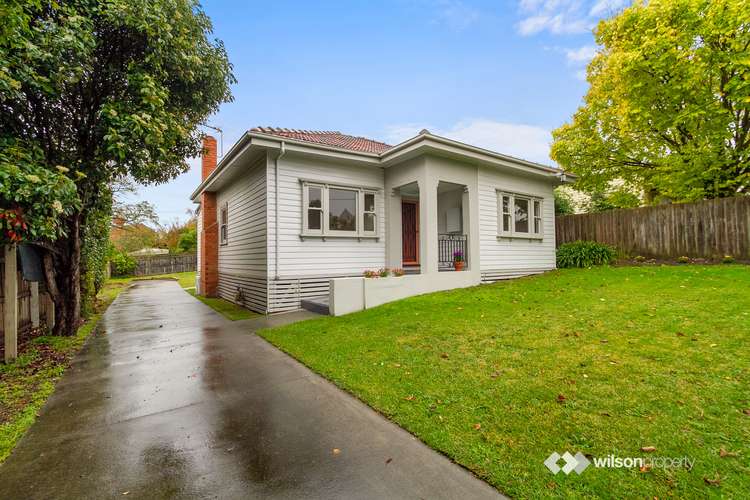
{"x": 287, "y": 213}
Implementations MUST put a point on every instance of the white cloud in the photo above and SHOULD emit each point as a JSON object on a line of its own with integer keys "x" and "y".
{"x": 564, "y": 17}
{"x": 581, "y": 55}
{"x": 522, "y": 141}
{"x": 455, "y": 14}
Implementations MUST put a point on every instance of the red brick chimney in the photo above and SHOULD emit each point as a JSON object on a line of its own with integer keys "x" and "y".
{"x": 208, "y": 162}
{"x": 209, "y": 271}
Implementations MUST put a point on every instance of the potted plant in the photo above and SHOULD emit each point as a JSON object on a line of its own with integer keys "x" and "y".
{"x": 458, "y": 260}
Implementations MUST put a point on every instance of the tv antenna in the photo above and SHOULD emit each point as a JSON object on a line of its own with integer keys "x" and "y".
{"x": 221, "y": 138}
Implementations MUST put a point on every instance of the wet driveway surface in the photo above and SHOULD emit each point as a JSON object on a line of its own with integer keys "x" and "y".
{"x": 170, "y": 400}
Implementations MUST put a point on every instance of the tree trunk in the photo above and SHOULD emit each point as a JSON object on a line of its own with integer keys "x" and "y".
{"x": 62, "y": 268}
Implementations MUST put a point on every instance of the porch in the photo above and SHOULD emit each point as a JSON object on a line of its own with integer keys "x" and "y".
{"x": 447, "y": 229}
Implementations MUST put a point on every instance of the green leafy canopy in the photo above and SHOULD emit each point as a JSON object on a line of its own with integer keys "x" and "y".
{"x": 109, "y": 89}
{"x": 668, "y": 109}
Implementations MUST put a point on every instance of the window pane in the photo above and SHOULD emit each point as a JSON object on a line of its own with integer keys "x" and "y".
{"x": 313, "y": 218}
{"x": 537, "y": 209}
{"x": 342, "y": 205}
{"x": 537, "y": 225}
{"x": 223, "y": 233}
{"x": 369, "y": 202}
{"x": 506, "y": 222}
{"x": 506, "y": 205}
{"x": 522, "y": 215}
{"x": 370, "y": 222}
{"x": 224, "y": 216}
{"x": 315, "y": 197}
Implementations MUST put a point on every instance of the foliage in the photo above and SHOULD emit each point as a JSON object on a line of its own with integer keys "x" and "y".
{"x": 458, "y": 256}
{"x": 188, "y": 241}
{"x": 727, "y": 259}
{"x": 563, "y": 203}
{"x": 33, "y": 199}
{"x": 107, "y": 90}
{"x": 683, "y": 259}
{"x": 95, "y": 253}
{"x": 584, "y": 254}
{"x": 122, "y": 263}
{"x": 640, "y": 259}
{"x": 383, "y": 273}
{"x": 602, "y": 200}
{"x": 668, "y": 108}
{"x": 643, "y": 356}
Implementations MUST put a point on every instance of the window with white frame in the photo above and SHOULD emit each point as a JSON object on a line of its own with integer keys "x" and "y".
{"x": 332, "y": 210}
{"x": 519, "y": 215}
{"x": 223, "y": 223}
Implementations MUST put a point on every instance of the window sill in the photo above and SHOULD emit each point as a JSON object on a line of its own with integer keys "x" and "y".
{"x": 358, "y": 237}
{"x": 520, "y": 237}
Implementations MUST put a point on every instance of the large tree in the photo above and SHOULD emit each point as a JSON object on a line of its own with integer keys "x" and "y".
{"x": 99, "y": 90}
{"x": 668, "y": 108}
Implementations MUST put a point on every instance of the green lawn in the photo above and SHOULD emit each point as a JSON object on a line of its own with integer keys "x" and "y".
{"x": 602, "y": 361}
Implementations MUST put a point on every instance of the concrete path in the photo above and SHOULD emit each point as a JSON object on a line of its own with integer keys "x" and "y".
{"x": 170, "y": 400}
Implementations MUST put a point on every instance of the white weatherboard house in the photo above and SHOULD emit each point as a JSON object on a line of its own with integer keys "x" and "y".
{"x": 290, "y": 215}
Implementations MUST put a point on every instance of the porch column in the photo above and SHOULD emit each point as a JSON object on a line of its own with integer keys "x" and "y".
{"x": 428, "y": 225}
{"x": 393, "y": 248}
{"x": 10, "y": 306}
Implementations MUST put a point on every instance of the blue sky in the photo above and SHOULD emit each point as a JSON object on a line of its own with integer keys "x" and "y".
{"x": 497, "y": 74}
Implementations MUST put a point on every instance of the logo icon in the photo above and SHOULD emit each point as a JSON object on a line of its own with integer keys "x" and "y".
{"x": 577, "y": 463}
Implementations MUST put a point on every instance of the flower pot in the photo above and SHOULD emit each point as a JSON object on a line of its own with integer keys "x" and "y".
{"x": 458, "y": 265}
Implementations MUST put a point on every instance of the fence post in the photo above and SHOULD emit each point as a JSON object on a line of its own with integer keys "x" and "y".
{"x": 10, "y": 291}
{"x": 34, "y": 306}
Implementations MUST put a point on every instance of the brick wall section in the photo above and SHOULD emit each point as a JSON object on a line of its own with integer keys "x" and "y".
{"x": 209, "y": 247}
{"x": 208, "y": 162}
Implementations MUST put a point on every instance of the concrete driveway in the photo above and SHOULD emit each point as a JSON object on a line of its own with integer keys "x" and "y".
{"x": 170, "y": 400}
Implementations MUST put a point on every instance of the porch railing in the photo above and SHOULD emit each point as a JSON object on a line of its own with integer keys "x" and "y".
{"x": 448, "y": 245}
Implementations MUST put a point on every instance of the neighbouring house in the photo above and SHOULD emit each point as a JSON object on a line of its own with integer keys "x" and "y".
{"x": 290, "y": 215}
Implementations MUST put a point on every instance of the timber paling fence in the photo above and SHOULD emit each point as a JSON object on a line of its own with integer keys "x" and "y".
{"x": 708, "y": 229}
{"x": 165, "y": 264}
{"x": 24, "y": 298}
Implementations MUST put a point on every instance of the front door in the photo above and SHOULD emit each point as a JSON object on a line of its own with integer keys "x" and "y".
{"x": 410, "y": 232}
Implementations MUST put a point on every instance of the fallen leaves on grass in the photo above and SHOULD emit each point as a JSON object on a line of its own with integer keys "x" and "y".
{"x": 410, "y": 397}
{"x": 648, "y": 449}
{"x": 716, "y": 481}
{"x": 724, "y": 453}
{"x": 561, "y": 398}
{"x": 477, "y": 426}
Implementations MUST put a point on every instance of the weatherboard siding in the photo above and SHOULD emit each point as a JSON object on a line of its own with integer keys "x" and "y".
{"x": 315, "y": 257}
{"x": 511, "y": 257}
{"x": 243, "y": 260}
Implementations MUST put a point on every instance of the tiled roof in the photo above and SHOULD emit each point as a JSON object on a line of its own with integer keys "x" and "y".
{"x": 328, "y": 138}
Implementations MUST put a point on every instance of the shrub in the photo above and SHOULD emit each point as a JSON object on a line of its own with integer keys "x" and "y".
{"x": 398, "y": 271}
{"x": 640, "y": 258}
{"x": 122, "y": 264}
{"x": 584, "y": 254}
{"x": 684, "y": 259}
{"x": 383, "y": 273}
{"x": 727, "y": 259}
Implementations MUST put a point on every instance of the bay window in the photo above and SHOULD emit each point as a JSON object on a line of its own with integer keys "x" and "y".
{"x": 519, "y": 215}
{"x": 331, "y": 210}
